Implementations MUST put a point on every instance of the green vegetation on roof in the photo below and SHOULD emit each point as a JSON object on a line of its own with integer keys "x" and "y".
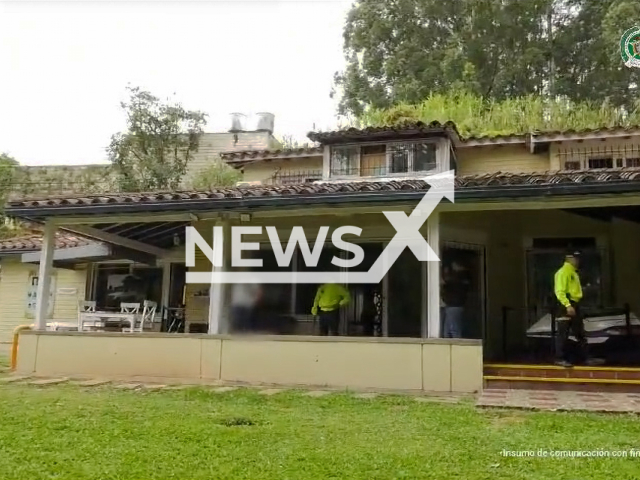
{"x": 475, "y": 116}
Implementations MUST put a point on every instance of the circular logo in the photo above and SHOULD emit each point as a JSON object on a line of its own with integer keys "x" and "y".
{"x": 630, "y": 47}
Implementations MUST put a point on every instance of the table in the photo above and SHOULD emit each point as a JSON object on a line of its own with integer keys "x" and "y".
{"x": 129, "y": 318}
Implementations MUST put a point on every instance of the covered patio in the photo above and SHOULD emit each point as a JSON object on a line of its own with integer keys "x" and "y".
{"x": 480, "y": 223}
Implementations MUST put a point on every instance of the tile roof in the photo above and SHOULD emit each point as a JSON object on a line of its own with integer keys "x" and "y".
{"x": 33, "y": 242}
{"x": 378, "y": 133}
{"x": 231, "y": 157}
{"x": 602, "y": 132}
{"x": 490, "y": 182}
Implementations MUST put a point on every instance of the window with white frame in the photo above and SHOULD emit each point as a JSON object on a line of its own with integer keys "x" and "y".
{"x": 345, "y": 160}
{"x": 606, "y": 157}
{"x": 384, "y": 159}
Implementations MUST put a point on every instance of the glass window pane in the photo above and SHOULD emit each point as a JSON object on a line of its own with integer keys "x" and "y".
{"x": 343, "y": 160}
{"x": 424, "y": 157}
{"x": 117, "y": 283}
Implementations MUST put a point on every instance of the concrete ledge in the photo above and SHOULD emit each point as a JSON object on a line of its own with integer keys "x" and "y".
{"x": 272, "y": 338}
{"x": 393, "y": 364}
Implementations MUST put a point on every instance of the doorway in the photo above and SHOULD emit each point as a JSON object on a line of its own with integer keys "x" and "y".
{"x": 472, "y": 259}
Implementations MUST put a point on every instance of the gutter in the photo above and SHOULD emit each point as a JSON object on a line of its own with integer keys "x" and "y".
{"x": 270, "y": 202}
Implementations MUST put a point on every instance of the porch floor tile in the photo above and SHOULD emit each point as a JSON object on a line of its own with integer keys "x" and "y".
{"x": 561, "y": 400}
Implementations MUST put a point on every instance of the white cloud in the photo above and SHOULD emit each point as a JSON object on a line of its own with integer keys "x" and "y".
{"x": 65, "y": 66}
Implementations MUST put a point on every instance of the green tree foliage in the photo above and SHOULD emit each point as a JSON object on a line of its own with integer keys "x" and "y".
{"x": 9, "y": 168}
{"x": 217, "y": 174}
{"x": 8, "y": 171}
{"x": 475, "y": 116}
{"x": 404, "y": 50}
{"x": 160, "y": 140}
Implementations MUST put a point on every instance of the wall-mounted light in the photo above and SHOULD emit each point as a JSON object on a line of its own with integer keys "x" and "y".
{"x": 176, "y": 240}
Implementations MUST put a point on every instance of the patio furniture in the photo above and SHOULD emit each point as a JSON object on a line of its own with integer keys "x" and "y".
{"x": 85, "y": 318}
{"x": 148, "y": 315}
{"x": 175, "y": 320}
{"x": 133, "y": 308}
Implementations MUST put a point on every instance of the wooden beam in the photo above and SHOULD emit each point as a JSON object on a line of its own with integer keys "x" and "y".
{"x": 133, "y": 218}
{"x": 116, "y": 239}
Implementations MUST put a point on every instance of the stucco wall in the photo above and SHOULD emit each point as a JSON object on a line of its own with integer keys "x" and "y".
{"x": 508, "y": 158}
{"x": 13, "y": 294}
{"x": 265, "y": 171}
{"x": 358, "y": 363}
{"x": 212, "y": 144}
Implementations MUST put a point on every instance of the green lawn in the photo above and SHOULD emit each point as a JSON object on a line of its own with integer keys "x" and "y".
{"x": 64, "y": 432}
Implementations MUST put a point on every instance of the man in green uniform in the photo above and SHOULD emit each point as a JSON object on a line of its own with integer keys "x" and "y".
{"x": 568, "y": 291}
{"x": 329, "y": 298}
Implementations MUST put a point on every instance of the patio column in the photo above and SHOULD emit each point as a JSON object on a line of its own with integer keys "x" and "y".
{"x": 433, "y": 277}
{"x": 45, "y": 271}
{"x": 218, "y": 291}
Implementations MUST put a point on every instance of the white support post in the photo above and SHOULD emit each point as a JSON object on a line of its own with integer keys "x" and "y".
{"x": 166, "y": 287}
{"x": 44, "y": 275}
{"x": 433, "y": 277}
{"x": 217, "y": 291}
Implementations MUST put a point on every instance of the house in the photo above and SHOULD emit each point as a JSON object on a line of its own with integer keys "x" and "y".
{"x": 84, "y": 265}
{"x": 519, "y": 202}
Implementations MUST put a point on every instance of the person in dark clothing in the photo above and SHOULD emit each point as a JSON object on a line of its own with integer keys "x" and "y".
{"x": 568, "y": 290}
{"x": 455, "y": 289}
{"x": 368, "y": 315}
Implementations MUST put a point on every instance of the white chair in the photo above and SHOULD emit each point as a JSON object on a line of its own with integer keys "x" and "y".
{"x": 130, "y": 308}
{"x": 148, "y": 315}
{"x": 133, "y": 309}
{"x": 85, "y": 309}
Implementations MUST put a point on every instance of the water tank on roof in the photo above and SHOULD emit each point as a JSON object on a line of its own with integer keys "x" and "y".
{"x": 238, "y": 121}
{"x": 265, "y": 122}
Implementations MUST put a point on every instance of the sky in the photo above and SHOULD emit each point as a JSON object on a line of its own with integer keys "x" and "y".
{"x": 66, "y": 64}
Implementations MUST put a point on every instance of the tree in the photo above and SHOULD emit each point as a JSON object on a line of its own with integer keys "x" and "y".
{"x": 217, "y": 174}
{"x": 8, "y": 172}
{"x": 9, "y": 169}
{"x": 405, "y": 50}
{"x": 160, "y": 140}
{"x": 288, "y": 142}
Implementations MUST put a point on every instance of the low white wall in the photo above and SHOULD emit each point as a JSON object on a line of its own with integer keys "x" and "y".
{"x": 438, "y": 365}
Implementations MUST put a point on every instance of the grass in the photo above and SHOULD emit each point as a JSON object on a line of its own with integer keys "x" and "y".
{"x": 65, "y": 432}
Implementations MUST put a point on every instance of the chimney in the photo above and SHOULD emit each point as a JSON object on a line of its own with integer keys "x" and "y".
{"x": 266, "y": 121}
{"x": 238, "y": 121}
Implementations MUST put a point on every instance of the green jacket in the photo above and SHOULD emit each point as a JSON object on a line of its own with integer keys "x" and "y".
{"x": 329, "y": 297}
{"x": 566, "y": 285}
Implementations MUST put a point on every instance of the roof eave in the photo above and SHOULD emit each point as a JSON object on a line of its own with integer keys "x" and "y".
{"x": 268, "y": 202}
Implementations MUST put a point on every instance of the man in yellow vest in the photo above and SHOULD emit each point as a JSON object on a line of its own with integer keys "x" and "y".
{"x": 330, "y": 297}
{"x": 568, "y": 291}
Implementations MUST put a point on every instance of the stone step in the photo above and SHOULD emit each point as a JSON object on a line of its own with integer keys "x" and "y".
{"x": 90, "y": 383}
{"x": 270, "y": 391}
{"x": 48, "y": 381}
{"x": 14, "y": 379}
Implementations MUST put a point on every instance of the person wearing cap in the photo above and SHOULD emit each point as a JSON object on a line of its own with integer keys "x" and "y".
{"x": 568, "y": 291}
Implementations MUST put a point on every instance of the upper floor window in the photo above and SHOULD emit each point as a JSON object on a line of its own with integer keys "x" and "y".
{"x": 593, "y": 158}
{"x": 344, "y": 160}
{"x": 384, "y": 159}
